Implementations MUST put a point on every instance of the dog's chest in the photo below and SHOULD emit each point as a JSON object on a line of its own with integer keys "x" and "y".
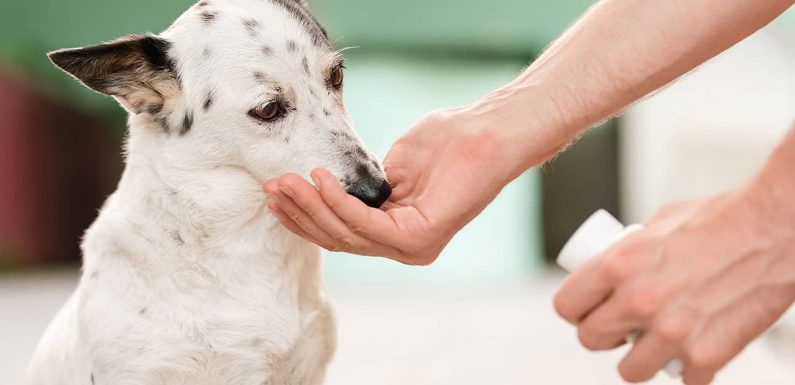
{"x": 243, "y": 328}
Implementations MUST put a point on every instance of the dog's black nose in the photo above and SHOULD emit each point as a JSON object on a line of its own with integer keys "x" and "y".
{"x": 373, "y": 192}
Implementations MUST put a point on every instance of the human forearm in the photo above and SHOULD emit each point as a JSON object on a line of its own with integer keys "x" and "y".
{"x": 618, "y": 52}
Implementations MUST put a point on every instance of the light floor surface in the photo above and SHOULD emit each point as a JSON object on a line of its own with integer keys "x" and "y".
{"x": 420, "y": 336}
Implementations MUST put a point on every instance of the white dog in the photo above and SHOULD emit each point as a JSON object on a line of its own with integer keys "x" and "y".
{"x": 186, "y": 279}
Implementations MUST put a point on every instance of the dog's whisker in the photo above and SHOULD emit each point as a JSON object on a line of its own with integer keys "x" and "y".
{"x": 341, "y": 50}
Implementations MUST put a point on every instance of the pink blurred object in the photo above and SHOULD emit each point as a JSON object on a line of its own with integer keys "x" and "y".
{"x": 56, "y": 166}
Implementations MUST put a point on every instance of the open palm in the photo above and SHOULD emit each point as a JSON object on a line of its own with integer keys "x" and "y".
{"x": 443, "y": 172}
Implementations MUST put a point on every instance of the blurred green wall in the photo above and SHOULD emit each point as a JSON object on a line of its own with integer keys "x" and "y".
{"x": 517, "y": 27}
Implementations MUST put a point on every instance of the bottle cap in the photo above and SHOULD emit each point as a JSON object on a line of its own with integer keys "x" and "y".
{"x": 593, "y": 237}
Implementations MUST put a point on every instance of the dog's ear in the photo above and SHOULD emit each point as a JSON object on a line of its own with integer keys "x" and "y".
{"x": 135, "y": 69}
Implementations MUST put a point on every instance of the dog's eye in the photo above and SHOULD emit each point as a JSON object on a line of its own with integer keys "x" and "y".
{"x": 336, "y": 77}
{"x": 268, "y": 112}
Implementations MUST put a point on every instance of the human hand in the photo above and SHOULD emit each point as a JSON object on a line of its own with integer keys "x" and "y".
{"x": 701, "y": 281}
{"x": 443, "y": 172}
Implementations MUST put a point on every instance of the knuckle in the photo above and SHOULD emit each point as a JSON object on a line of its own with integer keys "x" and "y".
{"x": 698, "y": 380}
{"x": 674, "y": 328}
{"x": 629, "y": 374}
{"x": 344, "y": 242}
{"x": 335, "y": 202}
{"x": 295, "y": 218}
{"x": 616, "y": 266}
{"x": 644, "y": 302}
{"x": 704, "y": 358}
{"x": 620, "y": 263}
{"x": 421, "y": 259}
{"x": 563, "y": 307}
{"x": 587, "y": 338}
{"x": 669, "y": 209}
{"x": 309, "y": 210}
{"x": 434, "y": 118}
{"x": 357, "y": 227}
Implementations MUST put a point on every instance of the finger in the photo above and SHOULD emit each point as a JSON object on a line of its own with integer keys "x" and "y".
{"x": 630, "y": 307}
{"x": 649, "y": 355}
{"x": 271, "y": 186}
{"x": 694, "y": 378}
{"x": 607, "y": 326}
{"x": 285, "y": 220}
{"x": 592, "y": 284}
{"x": 731, "y": 331}
{"x": 302, "y": 220}
{"x": 581, "y": 292}
{"x": 362, "y": 220}
{"x": 307, "y": 198}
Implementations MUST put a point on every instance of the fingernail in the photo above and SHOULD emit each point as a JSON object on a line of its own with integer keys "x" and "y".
{"x": 316, "y": 180}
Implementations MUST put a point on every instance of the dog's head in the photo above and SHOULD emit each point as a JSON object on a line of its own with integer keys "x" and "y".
{"x": 253, "y": 84}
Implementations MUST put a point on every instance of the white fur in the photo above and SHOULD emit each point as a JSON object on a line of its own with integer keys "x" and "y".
{"x": 186, "y": 278}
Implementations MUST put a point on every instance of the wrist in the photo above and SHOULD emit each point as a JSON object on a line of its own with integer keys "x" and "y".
{"x": 527, "y": 128}
{"x": 775, "y": 183}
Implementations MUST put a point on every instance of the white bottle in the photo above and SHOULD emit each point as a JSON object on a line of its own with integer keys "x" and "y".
{"x": 594, "y": 237}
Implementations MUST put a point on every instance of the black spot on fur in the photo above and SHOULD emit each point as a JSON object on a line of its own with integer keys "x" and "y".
{"x": 92, "y": 378}
{"x": 94, "y": 275}
{"x": 267, "y": 50}
{"x": 202, "y": 4}
{"x": 260, "y": 77}
{"x": 155, "y": 109}
{"x": 156, "y": 51}
{"x": 251, "y": 26}
{"x": 164, "y": 126}
{"x": 142, "y": 311}
{"x": 187, "y": 123}
{"x": 326, "y": 112}
{"x": 208, "y": 101}
{"x": 361, "y": 153}
{"x": 286, "y": 140}
{"x": 302, "y": 14}
{"x": 208, "y": 16}
{"x": 305, "y": 65}
{"x": 138, "y": 107}
{"x": 206, "y": 52}
{"x": 291, "y": 46}
{"x": 177, "y": 237}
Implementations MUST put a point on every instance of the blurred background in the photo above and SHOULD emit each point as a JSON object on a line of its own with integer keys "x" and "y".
{"x": 482, "y": 313}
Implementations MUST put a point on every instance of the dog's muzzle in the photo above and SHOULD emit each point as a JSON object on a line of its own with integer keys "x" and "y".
{"x": 371, "y": 190}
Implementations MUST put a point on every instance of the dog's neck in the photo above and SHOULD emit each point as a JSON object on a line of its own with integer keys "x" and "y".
{"x": 209, "y": 215}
